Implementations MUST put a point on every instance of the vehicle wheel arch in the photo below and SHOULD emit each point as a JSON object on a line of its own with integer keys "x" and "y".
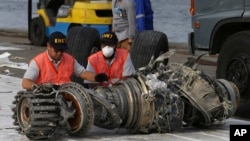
{"x": 223, "y": 30}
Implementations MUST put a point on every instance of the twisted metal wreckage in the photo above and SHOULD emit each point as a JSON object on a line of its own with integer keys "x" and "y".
{"x": 159, "y": 98}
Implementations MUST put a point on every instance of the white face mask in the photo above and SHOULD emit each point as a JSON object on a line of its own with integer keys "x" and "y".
{"x": 107, "y": 51}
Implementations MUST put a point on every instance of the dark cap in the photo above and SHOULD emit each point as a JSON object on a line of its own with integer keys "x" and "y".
{"x": 109, "y": 37}
{"x": 58, "y": 41}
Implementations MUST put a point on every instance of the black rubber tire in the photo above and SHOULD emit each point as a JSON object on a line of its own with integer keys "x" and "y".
{"x": 147, "y": 44}
{"x": 82, "y": 42}
{"x": 234, "y": 62}
{"x": 37, "y": 32}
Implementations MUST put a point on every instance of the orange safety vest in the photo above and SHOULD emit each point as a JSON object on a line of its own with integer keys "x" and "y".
{"x": 115, "y": 70}
{"x": 48, "y": 72}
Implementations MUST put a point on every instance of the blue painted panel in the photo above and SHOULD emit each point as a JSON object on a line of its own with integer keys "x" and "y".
{"x": 63, "y": 27}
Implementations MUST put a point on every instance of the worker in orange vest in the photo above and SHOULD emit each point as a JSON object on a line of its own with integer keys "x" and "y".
{"x": 114, "y": 62}
{"x": 56, "y": 66}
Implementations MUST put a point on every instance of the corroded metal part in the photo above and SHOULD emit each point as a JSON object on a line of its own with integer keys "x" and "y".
{"x": 207, "y": 96}
{"x": 106, "y": 109}
{"x": 83, "y": 118}
{"x": 131, "y": 108}
{"x": 159, "y": 98}
{"x": 47, "y": 112}
{"x": 232, "y": 94}
{"x": 36, "y": 114}
{"x": 152, "y": 109}
{"x": 145, "y": 106}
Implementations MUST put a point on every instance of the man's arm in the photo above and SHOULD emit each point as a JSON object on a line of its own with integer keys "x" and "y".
{"x": 80, "y": 71}
{"x": 128, "y": 68}
{"x": 28, "y": 84}
{"x": 89, "y": 83}
{"x": 88, "y": 75}
{"x": 30, "y": 75}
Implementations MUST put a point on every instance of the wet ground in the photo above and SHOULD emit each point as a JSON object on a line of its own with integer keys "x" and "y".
{"x": 17, "y": 44}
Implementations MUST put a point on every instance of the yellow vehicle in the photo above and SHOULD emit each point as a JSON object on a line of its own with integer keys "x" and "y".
{"x": 62, "y": 15}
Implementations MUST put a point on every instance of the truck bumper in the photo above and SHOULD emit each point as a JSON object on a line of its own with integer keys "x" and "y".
{"x": 191, "y": 46}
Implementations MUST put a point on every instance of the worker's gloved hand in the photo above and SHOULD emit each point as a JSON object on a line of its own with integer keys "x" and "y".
{"x": 101, "y": 77}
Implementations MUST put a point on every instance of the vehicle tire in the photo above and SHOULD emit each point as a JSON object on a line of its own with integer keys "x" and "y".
{"x": 82, "y": 42}
{"x": 147, "y": 44}
{"x": 234, "y": 62}
{"x": 37, "y": 32}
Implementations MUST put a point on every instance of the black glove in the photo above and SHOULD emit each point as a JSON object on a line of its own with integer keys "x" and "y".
{"x": 101, "y": 77}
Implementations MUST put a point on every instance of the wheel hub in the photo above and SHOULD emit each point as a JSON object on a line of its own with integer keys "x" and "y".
{"x": 237, "y": 72}
{"x": 25, "y": 112}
